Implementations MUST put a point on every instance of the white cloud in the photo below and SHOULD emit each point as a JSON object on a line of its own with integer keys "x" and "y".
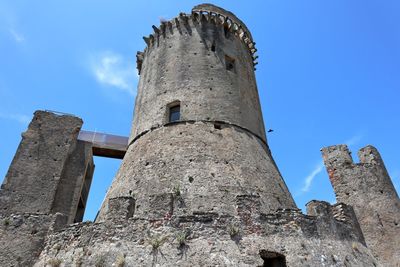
{"x": 23, "y": 119}
{"x": 17, "y": 36}
{"x": 310, "y": 178}
{"x": 112, "y": 70}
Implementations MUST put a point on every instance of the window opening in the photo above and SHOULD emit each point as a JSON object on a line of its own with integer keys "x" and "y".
{"x": 174, "y": 113}
{"x": 213, "y": 47}
{"x": 272, "y": 259}
{"x": 229, "y": 63}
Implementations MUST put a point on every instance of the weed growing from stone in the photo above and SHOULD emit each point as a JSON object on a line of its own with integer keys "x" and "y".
{"x": 156, "y": 242}
{"x": 181, "y": 238}
{"x": 119, "y": 261}
{"x": 177, "y": 191}
{"x": 54, "y": 262}
{"x": 233, "y": 231}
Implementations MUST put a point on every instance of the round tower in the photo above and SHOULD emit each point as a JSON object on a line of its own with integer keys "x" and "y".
{"x": 198, "y": 141}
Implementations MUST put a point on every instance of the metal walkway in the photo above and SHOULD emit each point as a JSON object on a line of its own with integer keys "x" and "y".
{"x": 105, "y": 145}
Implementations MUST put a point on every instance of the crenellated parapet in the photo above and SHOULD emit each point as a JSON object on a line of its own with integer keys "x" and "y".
{"x": 351, "y": 180}
{"x": 210, "y": 238}
{"x": 367, "y": 187}
{"x": 321, "y": 221}
{"x": 201, "y": 15}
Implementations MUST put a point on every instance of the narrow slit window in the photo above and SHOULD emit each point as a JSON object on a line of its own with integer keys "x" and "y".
{"x": 229, "y": 63}
{"x": 174, "y": 113}
{"x": 213, "y": 47}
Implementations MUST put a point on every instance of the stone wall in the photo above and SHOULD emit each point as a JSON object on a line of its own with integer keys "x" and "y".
{"x": 44, "y": 186}
{"x": 22, "y": 237}
{"x": 211, "y": 239}
{"x": 74, "y": 185}
{"x": 368, "y": 188}
{"x": 39, "y": 164}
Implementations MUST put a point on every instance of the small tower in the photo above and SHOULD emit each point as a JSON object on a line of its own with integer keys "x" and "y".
{"x": 198, "y": 129}
{"x": 368, "y": 188}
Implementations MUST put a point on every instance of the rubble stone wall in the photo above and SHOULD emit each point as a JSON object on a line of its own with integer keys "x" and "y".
{"x": 210, "y": 239}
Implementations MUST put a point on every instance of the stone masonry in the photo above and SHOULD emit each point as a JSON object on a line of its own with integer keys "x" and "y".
{"x": 198, "y": 185}
{"x": 367, "y": 187}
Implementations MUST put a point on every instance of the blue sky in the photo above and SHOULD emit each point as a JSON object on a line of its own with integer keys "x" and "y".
{"x": 328, "y": 73}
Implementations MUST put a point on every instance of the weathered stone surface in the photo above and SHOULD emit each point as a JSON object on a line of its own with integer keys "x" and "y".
{"x": 368, "y": 188}
{"x": 37, "y": 168}
{"x": 217, "y": 241}
{"x": 209, "y": 167}
{"x": 120, "y": 208}
{"x": 182, "y": 66}
{"x": 51, "y": 170}
{"x": 75, "y": 183}
{"x": 22, "y": 237}
{"x": 47, "y": 176}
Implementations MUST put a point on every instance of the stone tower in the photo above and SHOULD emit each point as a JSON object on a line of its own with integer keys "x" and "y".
{"x": 199, "y": 68}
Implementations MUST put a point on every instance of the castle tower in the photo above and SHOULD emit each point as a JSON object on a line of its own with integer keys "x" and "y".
{"x": 198, "y": 129}
{"x": 368, "y": 188}
{"x": 197, "y": 186}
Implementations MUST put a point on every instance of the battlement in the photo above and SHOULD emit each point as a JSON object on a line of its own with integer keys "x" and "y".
{"x": 370, "y": 155}
{"x": 202, "y": 15}
{"x": 322, "y": 219}
{"x": 340, "y": 156}
{"x": 369, "y": 174}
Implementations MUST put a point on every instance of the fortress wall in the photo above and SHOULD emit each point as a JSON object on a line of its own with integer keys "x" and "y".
{"x": 209, "y": 239}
